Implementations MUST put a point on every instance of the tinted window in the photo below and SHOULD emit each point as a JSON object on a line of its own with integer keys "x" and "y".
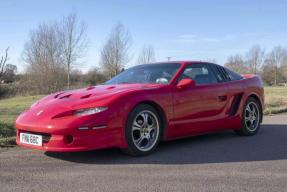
{"x": 221, "y": 73}
{"x": 148, "y": 73}
{"x": 200, "y": 73}
{"x": 233, "y": 75}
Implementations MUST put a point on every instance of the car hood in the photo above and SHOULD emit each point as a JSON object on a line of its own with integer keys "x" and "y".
{"x": 87, "y": 97}
{"x": 44, "y": 111}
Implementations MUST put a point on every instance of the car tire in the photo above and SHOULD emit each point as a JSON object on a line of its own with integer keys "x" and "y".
{"x": 143, "y": 130}
{"x": 251, "y": 118}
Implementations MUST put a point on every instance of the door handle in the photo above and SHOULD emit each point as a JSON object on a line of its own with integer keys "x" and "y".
{"x": 222, "y": 98}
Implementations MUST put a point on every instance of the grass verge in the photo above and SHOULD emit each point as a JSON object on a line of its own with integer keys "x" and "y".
{"x": 275, "y": 100}
{"x": 9, "y": 110}
{"x": 7, "y": 142}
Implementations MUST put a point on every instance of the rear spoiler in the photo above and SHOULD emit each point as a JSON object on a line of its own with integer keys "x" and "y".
{"x": 247, "y": 76}
{"x": 252, "y": 76}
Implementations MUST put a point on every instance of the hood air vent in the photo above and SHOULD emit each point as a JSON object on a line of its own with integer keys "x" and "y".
{"x": 86, "y": 96}
{"x": 112, "y": 87}
{"x": 90, "y": 88}
{"x": 65, "y": 96}
{"x": 57, "y": 95}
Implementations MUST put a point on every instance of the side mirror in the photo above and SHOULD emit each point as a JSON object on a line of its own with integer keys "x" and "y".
{"x": 182, "y": 84}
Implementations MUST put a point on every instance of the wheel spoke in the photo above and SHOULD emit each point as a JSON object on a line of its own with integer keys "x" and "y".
{"x": 253, "y": 110}
{"x": 247, "y": 119}
{"x": 136, "y": 126}
{"x": 152, "y": 133}
{"x": 139, "y": 140}
{"x": 153, "y": 123}
{"x": 151, "y": 128}
{"x": 248, "y": 108}
{"x": 145, "y": 118}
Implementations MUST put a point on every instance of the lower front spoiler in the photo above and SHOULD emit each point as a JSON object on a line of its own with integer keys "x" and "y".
{"x": 57, "y": 149}
{"x": 83, "y": 141}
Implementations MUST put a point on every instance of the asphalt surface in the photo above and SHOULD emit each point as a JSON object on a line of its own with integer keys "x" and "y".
{"x": 215, "y": 162}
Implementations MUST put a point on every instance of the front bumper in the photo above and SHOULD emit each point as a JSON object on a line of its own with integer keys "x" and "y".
{"x": 83, "y": 140}
{"x": 110, "y": 135}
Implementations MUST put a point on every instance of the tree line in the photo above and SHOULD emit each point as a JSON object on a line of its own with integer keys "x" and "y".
{"x": 271, "y": 66}
{"x": 54, "y": 52}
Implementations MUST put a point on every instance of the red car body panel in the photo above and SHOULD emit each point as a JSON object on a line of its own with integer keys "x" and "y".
{"x": 194, "y": 111}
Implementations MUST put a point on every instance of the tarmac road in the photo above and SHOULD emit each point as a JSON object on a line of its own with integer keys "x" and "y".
{"x": 215, "y": 162}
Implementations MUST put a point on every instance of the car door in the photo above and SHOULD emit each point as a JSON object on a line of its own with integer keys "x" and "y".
{"x": 199, "y": 108}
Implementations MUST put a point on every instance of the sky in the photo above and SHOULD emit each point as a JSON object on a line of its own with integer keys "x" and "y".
{"x": 180, "y": 29}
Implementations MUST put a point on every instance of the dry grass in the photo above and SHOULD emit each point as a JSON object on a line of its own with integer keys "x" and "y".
{"x": 275, "y": 100}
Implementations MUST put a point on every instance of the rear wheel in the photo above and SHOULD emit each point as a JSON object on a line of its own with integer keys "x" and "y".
{"x": 143, "y": 130}
{"x": 251, "y": 118}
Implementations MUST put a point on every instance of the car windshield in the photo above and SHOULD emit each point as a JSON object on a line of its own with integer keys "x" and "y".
{"x": 146, "y": 74}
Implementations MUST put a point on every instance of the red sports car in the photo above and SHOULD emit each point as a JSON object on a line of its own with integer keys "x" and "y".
{"x": 144, "y": 105}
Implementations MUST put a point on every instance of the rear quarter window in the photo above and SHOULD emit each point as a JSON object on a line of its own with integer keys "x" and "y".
{"x": 233, "y": 75}
{"x": 220, "y": 72}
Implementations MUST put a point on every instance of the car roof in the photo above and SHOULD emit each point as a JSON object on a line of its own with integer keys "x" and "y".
{"x": 184, "y": 62}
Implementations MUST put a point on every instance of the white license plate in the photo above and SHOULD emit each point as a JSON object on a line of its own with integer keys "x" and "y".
{"x": 31, "y": 139}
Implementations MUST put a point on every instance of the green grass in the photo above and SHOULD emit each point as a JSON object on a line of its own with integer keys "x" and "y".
{"x": 12, "y": 107}
{"x": 9, "y": 110}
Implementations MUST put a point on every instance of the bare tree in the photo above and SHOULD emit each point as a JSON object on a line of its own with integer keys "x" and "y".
{"x": 3, "y": 62}
{"x": 283, "y": 70}
{"x": 9, "y": 73}
{"x": 74, "y": 41}
{"x": 43, "y": 53}
{"x": 237, "y": 64}
{"x": 51, "y": 51}
{"x": 277, "y": 58}
{"x": 115, "y": 52}
{"x": 147, "y": 55}
{"x": 255, "y": 58}
{"x": 268, "y": 72}
{"x": 94, "y": 77}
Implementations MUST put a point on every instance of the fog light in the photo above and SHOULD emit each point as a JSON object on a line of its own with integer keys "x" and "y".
{"x": 69, "y": 139}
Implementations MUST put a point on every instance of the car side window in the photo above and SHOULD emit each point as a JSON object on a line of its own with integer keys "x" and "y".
{"x": 200, "y": 73}
{"x": 233, "y": 75}
{"x": 220, "y": 73}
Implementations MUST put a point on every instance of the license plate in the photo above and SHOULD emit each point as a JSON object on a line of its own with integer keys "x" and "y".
{"x": 31, "y": 139}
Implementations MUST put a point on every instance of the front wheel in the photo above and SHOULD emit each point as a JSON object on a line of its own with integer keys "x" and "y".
{"x": 143, "y": 130}
{"x": 251, "y": 118}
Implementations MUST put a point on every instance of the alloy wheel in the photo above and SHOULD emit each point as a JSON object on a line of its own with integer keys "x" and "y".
{"x": 145, "y": 130}
{"x": 252, "y": 116}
